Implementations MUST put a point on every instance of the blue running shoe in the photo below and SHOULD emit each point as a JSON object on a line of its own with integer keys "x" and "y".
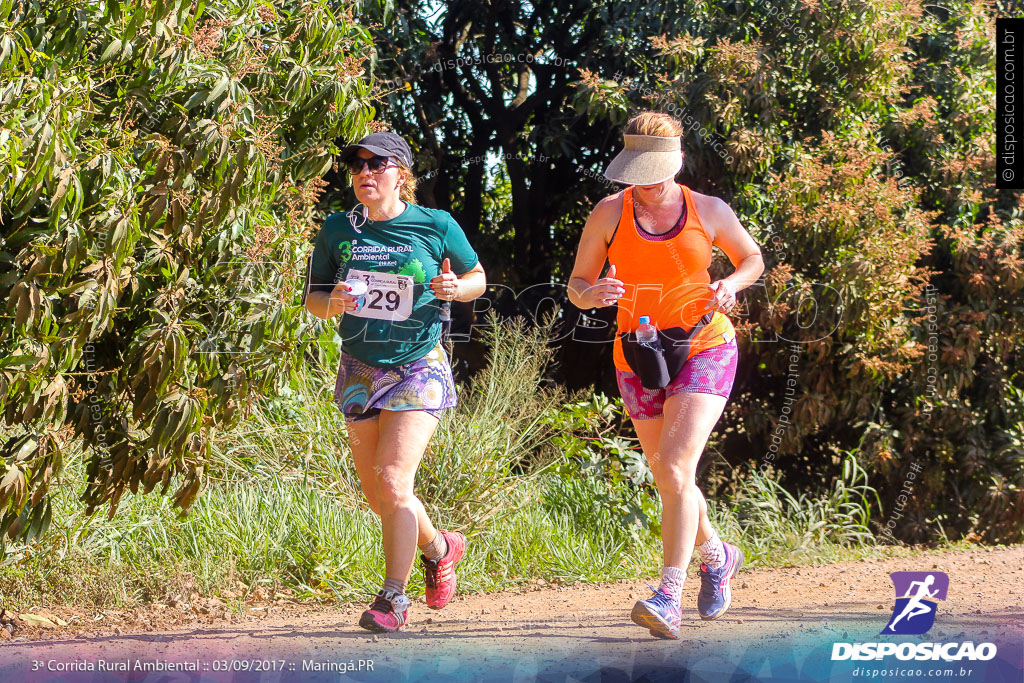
{"x": 715, "y": 595}
{"x": 658, "y": 613}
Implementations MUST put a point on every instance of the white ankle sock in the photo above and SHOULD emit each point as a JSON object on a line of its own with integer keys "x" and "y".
{"x": 712, "y": 552}
{"x": 672, "y": 579}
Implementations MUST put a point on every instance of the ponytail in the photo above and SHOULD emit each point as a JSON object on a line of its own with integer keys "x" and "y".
{"x": 407, "y": 193}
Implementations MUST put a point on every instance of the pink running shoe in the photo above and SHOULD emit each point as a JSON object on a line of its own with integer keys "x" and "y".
{"x": 387, "y": 614}
{"x": 439, "y": 577}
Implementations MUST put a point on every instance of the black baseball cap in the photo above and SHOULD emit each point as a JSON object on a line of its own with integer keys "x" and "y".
{"x": 382, "y": 144}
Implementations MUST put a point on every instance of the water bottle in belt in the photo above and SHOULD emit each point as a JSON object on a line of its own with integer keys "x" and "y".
{"x": 647, "y": 333}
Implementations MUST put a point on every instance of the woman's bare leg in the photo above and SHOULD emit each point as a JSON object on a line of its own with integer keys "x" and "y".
{"x": 673, "y": 445}
{"x": 362, "y": 439}
{"x": 402, "y": 440}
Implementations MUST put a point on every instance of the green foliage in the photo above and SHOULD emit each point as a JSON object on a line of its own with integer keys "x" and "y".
{"x": 604, "y": 479}
{"x": 771, "y": 518}
{"x": 464, "y": 80}
{"x": 493, "y": 440}
{"x": 855, "y": 143}
{"x": 158, "y": 161}
{"x": 284, "y": 510}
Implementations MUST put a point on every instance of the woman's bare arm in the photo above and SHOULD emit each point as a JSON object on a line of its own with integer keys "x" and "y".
{"x": 585, "y": 289}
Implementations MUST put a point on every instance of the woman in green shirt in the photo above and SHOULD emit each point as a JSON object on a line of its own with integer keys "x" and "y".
{"x": 385, "y": 269}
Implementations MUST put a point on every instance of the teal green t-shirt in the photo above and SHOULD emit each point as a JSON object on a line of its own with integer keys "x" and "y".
{"x": 397, "y": 258}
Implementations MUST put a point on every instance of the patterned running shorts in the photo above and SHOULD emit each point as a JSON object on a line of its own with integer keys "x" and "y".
{"x": 362, "y": 391}
{"x": 711, "y": 371}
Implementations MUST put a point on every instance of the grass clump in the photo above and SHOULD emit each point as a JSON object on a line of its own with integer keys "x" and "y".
{"x": 547, "y": 487}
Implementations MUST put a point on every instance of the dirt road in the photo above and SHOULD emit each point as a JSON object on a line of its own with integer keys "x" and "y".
{"x": 782, "y": 626}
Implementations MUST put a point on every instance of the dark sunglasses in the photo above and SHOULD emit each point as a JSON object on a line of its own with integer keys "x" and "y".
{"x": 376, "y": 164}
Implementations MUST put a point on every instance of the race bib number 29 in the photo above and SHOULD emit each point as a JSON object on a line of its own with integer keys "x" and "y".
{"x": 388, "y": 296}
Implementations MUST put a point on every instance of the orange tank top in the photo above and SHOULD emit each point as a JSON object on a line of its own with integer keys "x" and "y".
{"x": 666, "y": 277}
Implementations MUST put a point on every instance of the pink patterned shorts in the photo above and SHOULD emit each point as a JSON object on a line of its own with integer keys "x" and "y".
{"x": 711, "y": 371}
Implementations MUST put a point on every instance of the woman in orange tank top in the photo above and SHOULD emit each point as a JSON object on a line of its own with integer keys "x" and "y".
{"x": 657, "y": 236}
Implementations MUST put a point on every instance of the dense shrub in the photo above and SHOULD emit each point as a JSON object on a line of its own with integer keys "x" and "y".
{"x": 158, "y": 167}
{"x": 855, "y": 142}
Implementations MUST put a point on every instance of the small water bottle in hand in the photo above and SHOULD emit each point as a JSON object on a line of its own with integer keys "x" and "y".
{"x": 357, "y": 290}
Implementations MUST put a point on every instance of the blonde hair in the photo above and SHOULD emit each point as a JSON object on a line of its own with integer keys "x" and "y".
{"x": 407, "y": 192}
{"x": 654, "y": 123}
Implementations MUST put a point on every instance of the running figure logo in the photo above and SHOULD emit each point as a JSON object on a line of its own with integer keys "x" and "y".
{"x": 916, "y": 593}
